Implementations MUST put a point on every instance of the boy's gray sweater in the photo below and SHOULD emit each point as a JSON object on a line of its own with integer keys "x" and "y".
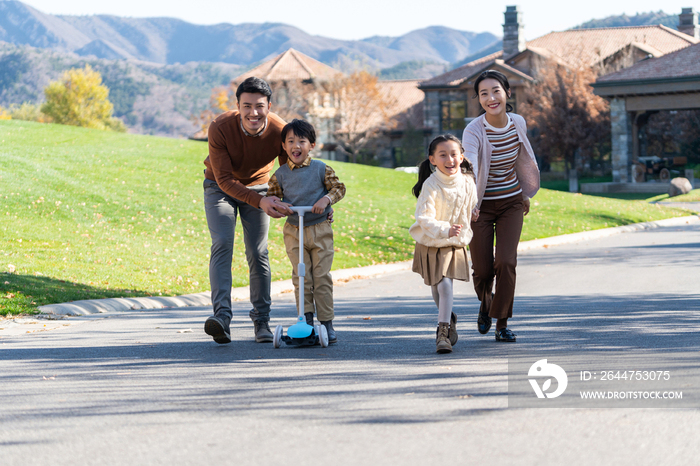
{"x": 303, "y": 186}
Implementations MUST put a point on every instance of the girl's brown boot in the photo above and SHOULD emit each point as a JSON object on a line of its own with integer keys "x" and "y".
{"x": 442, "y": 341}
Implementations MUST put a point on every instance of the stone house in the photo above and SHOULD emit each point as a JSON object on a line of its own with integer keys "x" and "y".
{"x": 449, "y": 98}
{"x": 665, "y": 84}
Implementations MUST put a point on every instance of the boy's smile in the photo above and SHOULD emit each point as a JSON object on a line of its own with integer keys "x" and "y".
{"x": 297, "y": 148}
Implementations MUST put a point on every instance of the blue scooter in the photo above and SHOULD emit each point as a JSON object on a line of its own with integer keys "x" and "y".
{"x": 301, "y": 333}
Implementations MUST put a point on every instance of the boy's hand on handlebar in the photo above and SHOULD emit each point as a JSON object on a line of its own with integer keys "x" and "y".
{"x": 320, "y": 205}
{"x": 455, "y": 230}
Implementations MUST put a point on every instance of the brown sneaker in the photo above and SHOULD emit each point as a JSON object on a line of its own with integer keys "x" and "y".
{"x": 263, "y": 334}
{"x": 442, "y": 342}
{"x": 452, "y": 334}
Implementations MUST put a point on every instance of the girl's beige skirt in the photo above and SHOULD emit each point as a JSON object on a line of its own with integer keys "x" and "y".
{"x": 435, "y": 263}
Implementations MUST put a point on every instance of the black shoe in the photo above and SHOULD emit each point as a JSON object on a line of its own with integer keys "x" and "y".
{"x": 505, "y": 335}
{"x": 332, "y": 338}
{"x": 217, "y": 329}
{"x": 309, "y": 318}
{"x": 483, "y": 322}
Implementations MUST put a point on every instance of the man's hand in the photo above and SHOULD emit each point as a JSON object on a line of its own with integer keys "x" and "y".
{"x": 526, "y": 206}
{"x": 274, "y": 207}
{"x": 475, "y": 214}
{"x": 320, "y": 205}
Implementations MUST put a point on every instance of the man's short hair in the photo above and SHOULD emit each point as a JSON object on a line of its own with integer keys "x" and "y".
{"x": 300, "y": 128}
{"x": 254, "y": 85}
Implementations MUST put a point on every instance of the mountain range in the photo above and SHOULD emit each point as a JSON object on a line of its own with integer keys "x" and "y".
{"x": 161, "y": 71}
{"x": 170, "y": 41}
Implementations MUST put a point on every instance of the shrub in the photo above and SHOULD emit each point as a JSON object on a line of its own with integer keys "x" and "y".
{"x": 79, "y": 99}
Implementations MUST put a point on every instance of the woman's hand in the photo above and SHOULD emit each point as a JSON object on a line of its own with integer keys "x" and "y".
{"x": 455, "y": 230}
{"x": 526, "y": 206}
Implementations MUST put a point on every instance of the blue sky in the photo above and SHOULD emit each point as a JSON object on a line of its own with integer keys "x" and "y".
{"x": 358, "y": 19}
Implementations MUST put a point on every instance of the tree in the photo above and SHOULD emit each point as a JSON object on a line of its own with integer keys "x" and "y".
{"x": 80, "y": 99}
{"x": 364, "y": 111}
{"x": 567, "y": 118}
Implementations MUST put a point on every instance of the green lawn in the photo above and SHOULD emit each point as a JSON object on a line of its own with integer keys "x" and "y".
{"x": 692, "y": 196}
{"x": 92, "y": 214}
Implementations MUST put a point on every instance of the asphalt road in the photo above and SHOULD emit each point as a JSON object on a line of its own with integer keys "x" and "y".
{"x": 149, "y": 387}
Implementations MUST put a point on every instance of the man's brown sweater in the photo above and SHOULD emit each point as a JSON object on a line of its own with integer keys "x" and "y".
{"x": 236, "y": 160}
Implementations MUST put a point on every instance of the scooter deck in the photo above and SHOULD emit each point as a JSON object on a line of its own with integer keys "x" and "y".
{"x": 311, "y": 340}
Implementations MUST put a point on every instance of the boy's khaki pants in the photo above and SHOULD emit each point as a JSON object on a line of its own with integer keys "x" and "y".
{"x": 318, "y": 257}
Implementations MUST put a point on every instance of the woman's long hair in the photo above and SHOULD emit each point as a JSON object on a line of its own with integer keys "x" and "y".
{"x": 425, "y": 169}
{"x": 498, "y": 76}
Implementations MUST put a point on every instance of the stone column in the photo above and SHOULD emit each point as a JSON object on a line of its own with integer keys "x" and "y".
{"x": 621, "y": 139}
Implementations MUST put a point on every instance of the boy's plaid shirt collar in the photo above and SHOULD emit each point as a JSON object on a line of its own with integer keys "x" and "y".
{"x": 293, "y": 165}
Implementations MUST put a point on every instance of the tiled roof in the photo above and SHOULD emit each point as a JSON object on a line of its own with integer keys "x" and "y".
{"x": 458, "y": 75}
{"x": 681, "y": 64}
{"x": 291, "y": 65}
{"x": 579, "y": 47}
{"x": 407, "y": 101}
{"x": 586, "y": 47}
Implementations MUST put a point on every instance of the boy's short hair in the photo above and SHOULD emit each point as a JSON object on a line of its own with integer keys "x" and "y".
{"x": 254, "y": 85}
{"x": 300, "y": 128}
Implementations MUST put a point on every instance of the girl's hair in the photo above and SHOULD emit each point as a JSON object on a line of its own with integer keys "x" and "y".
{"x": 498, "y": 76}
{"x": 425, "y": 170}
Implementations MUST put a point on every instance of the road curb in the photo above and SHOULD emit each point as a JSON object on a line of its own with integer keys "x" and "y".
{"x": 107, "y": 305}
{"x": 587, "y": 235}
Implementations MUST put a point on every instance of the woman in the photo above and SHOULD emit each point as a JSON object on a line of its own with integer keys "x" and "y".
{"x": 507, "y": 177}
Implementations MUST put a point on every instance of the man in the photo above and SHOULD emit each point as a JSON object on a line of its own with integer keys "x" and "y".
{"x": 243, "y": 145}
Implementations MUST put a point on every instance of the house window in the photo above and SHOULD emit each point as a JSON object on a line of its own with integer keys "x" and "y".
{"x": 452, "y": 115}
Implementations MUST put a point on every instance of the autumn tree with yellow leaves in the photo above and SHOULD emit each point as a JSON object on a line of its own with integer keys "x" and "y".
{"x": 80, "y": 99}
{"x": 364, "y": 112}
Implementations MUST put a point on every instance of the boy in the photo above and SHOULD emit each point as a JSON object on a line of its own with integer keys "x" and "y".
{"x": 303, "y": 181}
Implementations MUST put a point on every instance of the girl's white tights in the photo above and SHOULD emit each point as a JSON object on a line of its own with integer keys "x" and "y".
{"x": 442, "y": 295}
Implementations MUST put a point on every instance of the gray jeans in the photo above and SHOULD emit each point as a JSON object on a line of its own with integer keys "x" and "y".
{"x": 221, "y": 210}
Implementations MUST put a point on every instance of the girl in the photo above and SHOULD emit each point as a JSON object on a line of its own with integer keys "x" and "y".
{"x": 443, "y": 214}
{"x": 507, "y": 177}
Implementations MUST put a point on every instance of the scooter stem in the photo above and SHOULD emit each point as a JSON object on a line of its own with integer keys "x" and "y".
{"x": 301, "y": 268}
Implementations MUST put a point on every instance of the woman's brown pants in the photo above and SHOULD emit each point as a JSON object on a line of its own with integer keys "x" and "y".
{"x": 504, "y": 217}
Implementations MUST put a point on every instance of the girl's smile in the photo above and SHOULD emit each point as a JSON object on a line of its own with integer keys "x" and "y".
{"x": 447, "y": 158}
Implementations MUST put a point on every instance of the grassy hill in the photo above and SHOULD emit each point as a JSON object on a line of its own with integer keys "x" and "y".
{"x": 93, "y": 214}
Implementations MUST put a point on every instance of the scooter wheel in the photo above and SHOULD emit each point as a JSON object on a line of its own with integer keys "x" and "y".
{"x": 323, "y": 336}
{"x": 277, "y": 337}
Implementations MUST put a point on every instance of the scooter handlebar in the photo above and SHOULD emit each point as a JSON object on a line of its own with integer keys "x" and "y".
{"x": 301, "y": 210}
